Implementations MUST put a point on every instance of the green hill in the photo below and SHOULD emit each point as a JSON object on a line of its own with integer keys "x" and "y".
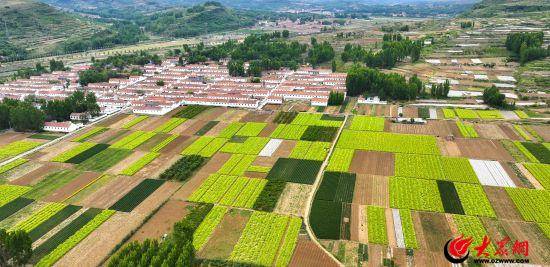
{"x": 34, "y": 27}
{"x": 510, "y": 8}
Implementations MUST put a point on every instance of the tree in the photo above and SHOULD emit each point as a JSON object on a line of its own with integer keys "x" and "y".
{"x": 236, "y": 68}
{"x": 58, "y": 110}
{"x": 493, "y": 97}
{"x": 26, "y": 117}
{"x": 15, "y": 248}
{"x": 356, "y": 80}
{"x": 254, "y": 69}
{"x": 4, "y": 116}
{"x": 286, "y": 33}
{"x": 91, "y": 104}
{"x": 334, "y": 66}
{"x": 335, "y": 98}
{"x": 56, "y": 65}
{"x": 160, "y": 83}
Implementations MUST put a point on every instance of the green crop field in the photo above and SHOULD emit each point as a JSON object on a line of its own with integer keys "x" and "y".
{"x": 91, "y": 133}
{"x": 474, "y": 201}
{"x": 164, "y": 143}
{"x": 53, "y": 221}
{"x": 388, "y": 142}
{"x": 39, "y": 217}
{"x": 466, "y": 130}
{"x": 376, "y": 222}
{"x": 190, "y": 112}
{"x": 140, "y": 163}
{"x": 539, "y": 151}
{"x": 169, "y": 125}
{"x": 65, "y": 156}
{"x": 251, "y": 129}
{"x": 521, "y": 114}
{"x": 415, "y": 194}
{"x": 86, "y": 154}
{"x": 231, "y": 130}
{"x": 541, "y": 172}
{"x": 139, "y": 193}
{"x": 12, "y": 165}
{"x": 104, "y": 160}
{"x": 310, "y": 150}
{"x": 295, "y": 170}
{"x": 133, "y": 140}
{"x": 366, "y": 123}
{"x": 52, "y": 182}
{"x": 13, "y": 206}
{"x": 325, "y": 219}
{"x": 16, "y": 148}
{"x": 207, "y": 226}
{"x": 449, "y": 113}
{"x": 289, "y": 131}
{"x": 522, "y": 132}
{"x": 311, "y": 119}
{"x": 408, "y": 229}
{"x": 533, "y": 205}
{"x": 319, "y": 133}
{"x": 340, "y": 160}
{"x": 466, "y": 113}
{"x": 489, "y": 114}
{"x": 471, "y": 226}
{"x": 525, "y": 152}
{"x": 133, "y": 122}
{"x": 269, "y": 195}
{"x": 251, "y": 146}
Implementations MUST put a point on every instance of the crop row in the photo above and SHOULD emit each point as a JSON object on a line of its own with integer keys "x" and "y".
{"x": 164, "y": 143}
{"x": 237, "y": 164}
{"x": 169, "y": 125}
{"x": 521, "y": 114}
{"x": 449, "y": 113}
{"x": 340, "y": 160}
{"x": 140, "y": 163}
{"x": 261, "y": 169}
{"x": 231, "y": 129}
{"x": 526, "y": 152}
{"x": 473, "y": 200}
{"x": 133, "y": 122}
{"x": 139, "y": 193}
{"x": 466, "y": 113}
{"x": 197, "y": 145}
{"x": 310, "y": 150}
{"x": 252, "y": 146}
{"x": 471, "y": 226}
{"x": 435, "y": 167}
{"x": 104, "y": 160}
{"x": 12, "y": 165}
{"x": 39, "y": 217}
{"x": 415, "y": 194}
{"x": 366, "y": 123}
{"x": 133, "y": 140}
{"x": 65, "y": 156}
{"x": 289, "y": 242}
{"x": 521, "y": 132}
{"x": 16, "y": 148}
{"x": 72, "y": 241}
{"x": 229, "y": 190}
{"x": 376, "y": 224}
{"x": 388, "y": 142}
{"x": 207, "y": 226}
{"x": 489, "y": 114}
{"x": 11, "y": 192}
{"x": 315, "y": 119}
{"x": 93, "y": 132}
{"x": 533, "y": 205}
{"x": 260, "y": 240}
{"x": 289, "y": 131}
{"x": 251, "y": 129}
{"x": 466, "y": 130}
{"x": 407, "y": 226}
{"x": 190, "y": 112}
{"x": 541, "y": 172}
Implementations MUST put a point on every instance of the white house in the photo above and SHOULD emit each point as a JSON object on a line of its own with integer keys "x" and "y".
{"x": 61, "y": 127}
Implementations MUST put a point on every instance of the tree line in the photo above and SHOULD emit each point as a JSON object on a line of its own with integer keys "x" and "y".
{"x": 30, "y": 114}
{"x": 527, "y": 46}
{"x": 15, "y": 248}
{"x": 394, "y": 49}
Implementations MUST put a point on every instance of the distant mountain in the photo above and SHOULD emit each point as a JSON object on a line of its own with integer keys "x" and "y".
{"x": 37, "y": 27}
{"x": 510, "y": 8}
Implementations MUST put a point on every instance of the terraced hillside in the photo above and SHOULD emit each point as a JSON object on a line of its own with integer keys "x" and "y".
{"x": 510, "y": 8}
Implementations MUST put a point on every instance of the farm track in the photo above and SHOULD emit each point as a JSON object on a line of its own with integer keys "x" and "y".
{"x": 316, "y": 185}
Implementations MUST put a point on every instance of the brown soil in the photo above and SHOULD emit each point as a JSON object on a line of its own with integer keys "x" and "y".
{"x": 538, "y": 242}
{"x": 123, "y": 164}
{"x": 293, "y": 199}
{"x": 191, "y": 127}
{"x": 543, "y": 131}
{"x": 490, "y": 131}
{"x": 266, "y": 132}
{"x": 10, "y": 137}
{"x": 212, "y": 166}
{"x": 264, "y": 161}
{"x": 392, "y": 241}
{"x": 502, "y": 204}
{"x": 37, "y": 175}
{"x": 419, "y": 232}
{"x": 110, "y": 193}
{"x": 53, "y": 151}
{"x": 112, "y": 120}
{"x": 355, "y": 225}
{"x": 121, "y": 122}
{"x": 307, "y": 253}
{"x": 429, "y": 258}
{"x": 255, "y": 117}
{"x": 371, "y": 190}
{"x": 284, "y": 150}
{"x": 509, "y": 132}
{"x": 152, "y": 142}
{"x": 376, "y": 255}
{"x": 157, "y": 166}
{"x": 513, "y": 175}
{"x": 372, "y": 162}
{"x": 433, "y": 127}
{"x": 448, "y": 148}
{"x": 217, "y": 129}
{"x": 151, "y": 123}
{"x": 483, "y": 149}
{"x": 436, "y": 230}
{"x": 69, "y": 189}
{"x": 225, "y": 236}
{"x": 259, "y": 175}
{"x": 211, "y": 114}
{"x": 177, "y": 145}
{"x": 157, "y": 198}
{"x": 162, "y": 221}
{"x": 410, "y": 112}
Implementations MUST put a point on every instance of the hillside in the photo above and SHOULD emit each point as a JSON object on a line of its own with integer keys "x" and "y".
{"x": 510, "y": 8}
{"x": 38, "y": 27}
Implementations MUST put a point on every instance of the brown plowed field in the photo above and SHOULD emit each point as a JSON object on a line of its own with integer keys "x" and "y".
{"x": 543, "y": 131}
{"x": 162, "y": 221}
{"x": 37, "y": 175}
{"x": 110, "y": 193}
{"x": 513, "y": 175}
{"x": 538, "y": 243}
{"x": 152, "y": 142}
{"x": 419, "y": 232}
{"x": 157, "y": 166}
{"x": 490, "y": 131}
{"x": 433, "y": 127}
{"x": 177, "y": 145}
{"x": 307, "y": 253}
{"x": 392, "y": 241}
{"x": 510, "y": 133}
{"x": 372, "y": 162}
{"x": 150, "y": 124}
{"x": 121, "y": 122}
{"x": 356, "y": 222}
{"x": 69, "y": 189}
{"x": 448, "y": 148}
{"x": 436, "y": 230}
{"x": 502, "y": 204}
{"x": 266, "y": 132}
{"x": 264, "y": 161}
{"x": 483, "y": 149}
{"x": 112, "y": 120}
{"x": 429, "y": 258}
{"x": 155, "y": 200}
{"x": 53, "y": 151}
{"x": 255, "y": 117}
{"x": 371, "y": 190}
{"x": 284, "y": 150}
{"x": 192, "y": 128}
{"x": 225, "y": 236}
{"x": 211, "y": 114}
{"x": 217, "y": 129}
{"x": 10, "y": 137}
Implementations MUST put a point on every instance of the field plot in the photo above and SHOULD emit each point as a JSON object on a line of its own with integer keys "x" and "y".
{"x": 231, "y": 130}
{"x": 226, "y": 235}
{"x": 39, "y": 217}
{"x": 473, "y": 200}
{"x": 293, "y": 200}
{"x": 295, "y": 170}
{"x": 133, "y": 140}
{"x": 541, "y": 172}
{"x": 67, "y": 155}
{"x": 319, "y": 133}
{"x": 472, "y": 226}
{"x": 237, "y": 164}
{"x": 133, "y": 122}
{"x": 466, "y": 130}
{"x": 540, "y": 151}
{"x": 490, "y": 131}
{"x": 229, "y": 190}
{"x": 307, "y": 253}
{"x": 366, "y": 123}
{"x": 139, "y": 193}
{"x": 169, "y": 125}
{"x": 372, "y": 162}
{"x": 270, "y": 147}
{"x": 491, "y": 173}
{"x": 207, "y": 226}
{"x": 371, "y": 190}
{"x": 415, "y": 194}
{"x": 289, "y": 131}
{"x": 14, "y": 206}
{"x": 12, "y": 165}
{"x": 73, "y": 187}
{"x": 91, "y": 133}
{"x": 483, "y": 149}
{"x": 16, "y": 148}
{"x": 418, "y": 166}
{"x": 251, "y": 129}
{"x": 85, "y": 154}
{"x": 388, "y": 142}
{"x": 466, "y": 113}
{"x": 51, "y": 183}
{"x": 104, "y": 160}
{"x": 534, "y": 205}
{"x": 310, "y": 119}
{"x": 376, "y": 222}
{"x": 190, "y": 112}
{"x": 340, "y": 160}
{"x": 310, "y": 150}
{"x": 264, "y": 236}
{"x": 251, "y": 146}
{"x": 140, "y": 163}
